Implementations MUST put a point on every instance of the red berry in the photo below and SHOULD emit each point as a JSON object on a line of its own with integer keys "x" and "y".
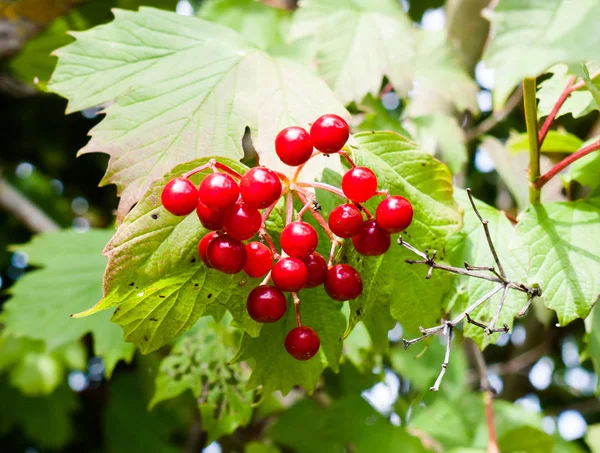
{"x": 329, "y": 133}
{"x": 293, "y": 146}
{"x": 259, "y": 260}
{"x": 359, "y": 184}
{"x": 394, "y": 214}
{"x": 242, "y": 221}
{"x": 289, "y": 274}
{"x": 302, "y": 343}
{"x": 203, "y": 246}
{"x": 260, "y": 187}
{"x": 299, "y": 239}
{"x": 266, "y": 304}
{"x": 343, "y": 282}
{"x": 219, "y": 191}
{"x": 226, "y": 254}
{"x": 371, "y": 240}
{"x": 179, "y": 196}
{"x": 317, "y": 269}
{"x": 211, "y": 220}
{"x": 345, "y": 220}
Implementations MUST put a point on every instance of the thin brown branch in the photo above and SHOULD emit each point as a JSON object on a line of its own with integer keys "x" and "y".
{"x": 13, "y": 201}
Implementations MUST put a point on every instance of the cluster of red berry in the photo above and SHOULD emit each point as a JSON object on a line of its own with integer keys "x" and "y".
{"x": 231, "y": 210}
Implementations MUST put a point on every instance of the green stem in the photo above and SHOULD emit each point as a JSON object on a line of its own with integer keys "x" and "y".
{"x": 530, "y": 105}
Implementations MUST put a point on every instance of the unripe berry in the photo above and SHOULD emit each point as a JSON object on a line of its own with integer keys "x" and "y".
{"x": 203, "y": 246}
{"x": 211, "y": 220}
{"x": 343, "y": 282}
{"x": 219, "y": 191}
{"x": 260, "y": 187}
{"x": 289, "y": 274}
{"x": 266, "y": 304}
{"x": 179, "y": 196}
{"x": 259, "y": 260}
{"x": 345, "y": 220}
{"x": 242, "y": 221}
{"x": 329, "y": 133}
{"x": 299, "y": 239}
{"x": 359, "y": 184}
{"x": 317, "y": 269}
{"x": 371, "y": 240}
{"x": 394, "y": 214}
{"x": 302, "y": 343}
{"x": 293, "y": 146}
{"x": 226, "y": 254}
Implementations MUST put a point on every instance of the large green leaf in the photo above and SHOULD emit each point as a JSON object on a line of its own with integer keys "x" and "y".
{"x": 359, "y": 42}
{"x": 470, "y": 245}
{"x": 198, "y": 362}
{"x": 564, "y": 257}
{"x": 555, "y": 142}
{"x": 579, "y": 103}
{"x": 180, "y": 88}
{"x": 274, "y": 368}
{"x": 157, "y": 281}
{"x": 529, "y": 36}
{"x": 389, "y": 282}
{"x": 69, "y": 281}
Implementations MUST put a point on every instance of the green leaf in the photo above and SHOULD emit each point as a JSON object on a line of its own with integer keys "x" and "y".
{"x": 258, "y": 447}
{"x": 441, "y": 134}
{"x": 528, "y": 38}
{"x": 555, "y": 142}
{"x": 199, "y": 362}
{"x": 582, "y": 71}
{"x": 347, "y": 421}
{"x": 578, "y": 104}
{"x": 585, "y": 171}
{"x": 427, "y": 184}
{"x": 378, "y": 118}
{"x": 45, "y": 420}
{"x": 258, "y": 23}
{"x": 563, "y": 259}
{"x": 593, "y": 339}
{"x": 274, "y": 369}
{"x": 183, "y": 88}
{"x": 470, "y": 245}
{"x": 592, "y": 438}
{"x": 525, "y": 440}
{"x": 70, "y": 279}
{"x": 157, "y": 281}
{"x": 442, "y": 420}
{"x": 126, "y": 413}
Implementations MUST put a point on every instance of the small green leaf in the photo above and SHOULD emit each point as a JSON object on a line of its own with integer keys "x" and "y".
{"x": 181, "y": 88}
{"x": 274, "y": 369}
{"x": 555, "y": 142}
{"x": 582, "y": 71}
{"x": 198, "y": 362}
{"x": 592, "y": 438}
{"x": 525, "y": 439}
{"x": 442, "y": 421}
{"x": 470, "y": 245}
{"x": 157, "y": 281}
{"x": 527, "y": 39}
{"x": 258, "y": 447}
{"x": 563, "y": 259}
{"x": 70, "y": 279}
{"x": 585, "y": 171}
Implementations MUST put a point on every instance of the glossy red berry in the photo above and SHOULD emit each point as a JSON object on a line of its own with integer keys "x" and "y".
{"x": 179, "y": 196}
{"x": 242, "y": 221}
{"x": 293, "y": 146}
{"x": 211, "y": 220}
{"x": 317, "y": 269}
{"x": 302, "y": 343}
{"x": 203, "y": 246}
{"x": 289, "y": 274}
{"x": 343, "y": 282}
{"x": 219, "y": 191}
{"x": 329, "y": 133}
{"x": 345, "y": 220}
{"x": 394, "y": 214}
{"x": 259, "y": 260}
{"x": 299, "y": 239}
{"x": 226, "y": 254}
{"x": 371, "y": 240}
{"x": 260, "y": 187}
{"x": 359, "y": 184}
{"x": 266, "y": 304}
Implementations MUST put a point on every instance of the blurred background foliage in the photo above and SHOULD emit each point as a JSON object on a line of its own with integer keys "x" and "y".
{"x": 59, "y": 399}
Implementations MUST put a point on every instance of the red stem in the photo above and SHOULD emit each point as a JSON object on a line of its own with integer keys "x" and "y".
{"x": 542, "y": 180}
{"x": 318, "y": 217}
{"x": 348, "y": 158}
{"x": 550, "y": 118}
{"x": 226, "y": 169}
{"x": 323, "y": 186}
{"x": 297, "y": 308}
